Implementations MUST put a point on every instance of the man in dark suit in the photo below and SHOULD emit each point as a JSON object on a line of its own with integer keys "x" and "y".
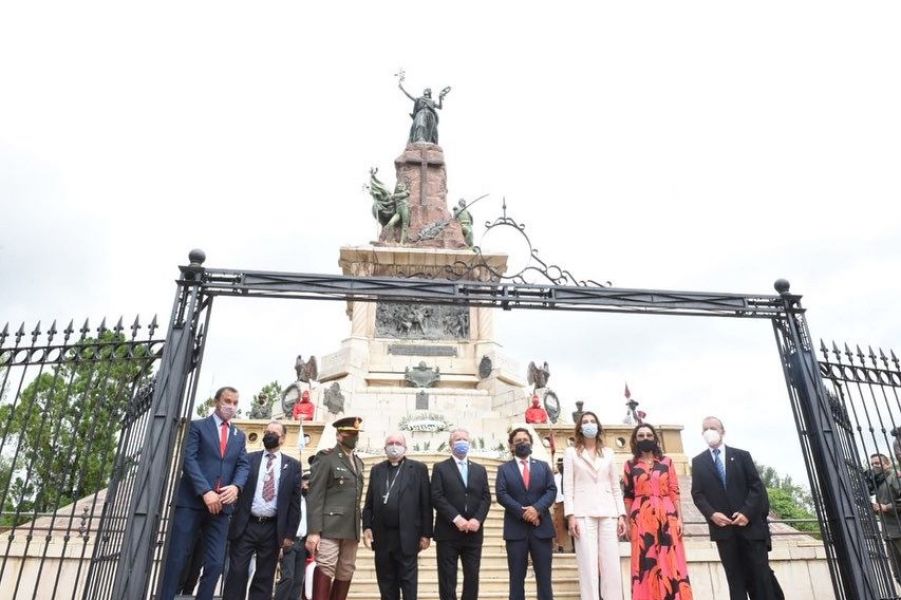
{"x": 266, "y": 518}
{"x": 214, "y": 472}
{"x": 397, "y": 519}
{"x": 526, "y": 490}
{"x": 461, "y": 499}
{"x": 726, "y": 488}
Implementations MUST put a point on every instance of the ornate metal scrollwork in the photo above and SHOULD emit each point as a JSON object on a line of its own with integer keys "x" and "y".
{"x": 535, "y": 271}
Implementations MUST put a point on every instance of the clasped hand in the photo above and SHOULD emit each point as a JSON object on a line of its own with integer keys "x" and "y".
{"x": 721, "y": 520}
{"x": 530, "y": 515}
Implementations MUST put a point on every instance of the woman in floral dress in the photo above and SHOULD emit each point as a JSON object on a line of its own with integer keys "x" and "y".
{"x": 652, "y": 503}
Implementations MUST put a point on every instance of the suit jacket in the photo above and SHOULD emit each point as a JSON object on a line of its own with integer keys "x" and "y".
{"x": 591, "y": 489}
{"x": 414, "y": 500}
{"x": 513, "y": 496}
{"x": 336, "y": 492}
{"x": 744, "y": 493}
{"x": 451, "y": 497}
{"x": 203, "y": 467}
{"x": 287, "y": 499}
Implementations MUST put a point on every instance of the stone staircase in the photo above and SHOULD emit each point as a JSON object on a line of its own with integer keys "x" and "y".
{"x": 494, "y": 580}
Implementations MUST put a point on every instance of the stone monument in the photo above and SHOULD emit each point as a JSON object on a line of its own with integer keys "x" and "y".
{"x": 428, "y": 367}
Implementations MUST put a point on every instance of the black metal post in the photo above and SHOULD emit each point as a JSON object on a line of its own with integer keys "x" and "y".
{"x": 142, "y": 528}
{"x": 844, "y": 534}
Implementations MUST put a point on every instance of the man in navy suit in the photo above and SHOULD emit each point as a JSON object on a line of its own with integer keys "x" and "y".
{"x": 215, "y": 469}
{"x": 461, "y": 499}
{"x": 266, "y": 518}
{"x": 526, "y": 490}
{"x": 726, "y": 488}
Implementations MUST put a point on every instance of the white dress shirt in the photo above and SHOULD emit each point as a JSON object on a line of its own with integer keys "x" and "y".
{"x": 259, "y": 507}
{"x": 302, "y": 527}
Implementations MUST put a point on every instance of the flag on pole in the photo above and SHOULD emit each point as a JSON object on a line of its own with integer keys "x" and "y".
{"x": 301, "y": 442}
{"x": 627, "y": 393}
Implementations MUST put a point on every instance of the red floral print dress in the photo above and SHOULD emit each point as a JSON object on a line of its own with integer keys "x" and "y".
{"x": 651, "y": 495}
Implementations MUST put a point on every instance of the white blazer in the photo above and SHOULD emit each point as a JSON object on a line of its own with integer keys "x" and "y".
{"x": 591, "y": 487}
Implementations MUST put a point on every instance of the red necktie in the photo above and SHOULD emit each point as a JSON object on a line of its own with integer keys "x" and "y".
{"x": 223, "y": 438}
{"x": 525, "y": 473}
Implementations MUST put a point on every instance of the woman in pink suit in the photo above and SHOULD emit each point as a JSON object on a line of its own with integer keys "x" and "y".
{"x": 593, "y": 505}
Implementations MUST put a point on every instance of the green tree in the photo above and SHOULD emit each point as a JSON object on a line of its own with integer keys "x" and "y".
{"x": 787, "y": 499}
{"x": 64, "y": 430}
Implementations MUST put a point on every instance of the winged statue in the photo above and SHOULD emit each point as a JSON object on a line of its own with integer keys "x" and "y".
{"x": 538, "y": 376}
{"x": 307, "y": 371}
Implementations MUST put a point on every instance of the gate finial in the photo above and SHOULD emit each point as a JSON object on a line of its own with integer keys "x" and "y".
{"x": 782, "y": 286}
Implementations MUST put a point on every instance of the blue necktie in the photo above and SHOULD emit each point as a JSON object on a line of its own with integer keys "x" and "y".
{"x": 464, "y": 471}
{"x": 720, "y": 467}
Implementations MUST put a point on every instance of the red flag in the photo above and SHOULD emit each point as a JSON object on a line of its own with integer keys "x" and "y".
{"x": 627, "y": 393}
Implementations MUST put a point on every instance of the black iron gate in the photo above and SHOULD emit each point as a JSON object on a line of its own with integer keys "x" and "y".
{"x": 131, "y": 541}
{"x": 72, "y": 414}
{"x": 862, "y": 388}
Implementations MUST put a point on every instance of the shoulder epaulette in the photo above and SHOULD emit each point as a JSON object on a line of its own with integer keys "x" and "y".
{"x": 325, "y": 451}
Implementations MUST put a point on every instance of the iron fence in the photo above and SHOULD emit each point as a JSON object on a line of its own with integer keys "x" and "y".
{"x": 862, "y": 388}
{"x": 72, "y": 404}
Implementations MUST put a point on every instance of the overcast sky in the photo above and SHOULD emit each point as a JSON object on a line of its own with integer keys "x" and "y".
{"x": 695, "y": 145}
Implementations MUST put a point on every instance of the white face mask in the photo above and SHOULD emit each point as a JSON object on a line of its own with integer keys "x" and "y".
{"x": 394, "y": 450}
{"x": 590, "y": 430}
{"x": 712, "y": 437}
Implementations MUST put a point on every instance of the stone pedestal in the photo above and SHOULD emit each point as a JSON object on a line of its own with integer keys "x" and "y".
{"x": 389, "y": 340}
{"x": 421, "y": 167}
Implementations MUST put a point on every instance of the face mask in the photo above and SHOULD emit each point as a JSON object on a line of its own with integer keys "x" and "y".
{"x": 712, "y": 437}
{"x": 270, "y": 440}
{"x": 590, "y": 430}
{"x": 350, "y": 442}
{"x": 461, "y": 448}
{"x": 226, "y": 411}
{"x": 646, "y": 445}
{"x": 523, "y": 449}
{"x": 395, "y": 451}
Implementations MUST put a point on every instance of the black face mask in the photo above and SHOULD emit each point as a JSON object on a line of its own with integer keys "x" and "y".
{"x": 646, "y": 446}
{"x": 350, "y": 442}
{"x": 270, "y": 440}
{"x": 522, "y": 449}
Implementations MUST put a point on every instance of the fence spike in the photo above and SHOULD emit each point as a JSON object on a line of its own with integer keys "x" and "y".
{"x": 135, "y": 327}
{"x": 36, "y": 332}
{"x": 860, "y": 355}
{"x": 823, "y": 347}
{"x": 51, "y": 333}
{"x": 872, "y": 354}
{"x": 20, "y": 333}
{"x": 102, "y": 329}
{"x": 69, "y": 328}
{"x": 119, "y": 327}
{"x": 85, "y": 329}
{"x": 4, "y": 332}
{"x": 153, "y": 326}
{"x": 836, "y": 351}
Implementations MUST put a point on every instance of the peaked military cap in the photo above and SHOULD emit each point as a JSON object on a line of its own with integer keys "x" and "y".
{"x": 348, "y": 424}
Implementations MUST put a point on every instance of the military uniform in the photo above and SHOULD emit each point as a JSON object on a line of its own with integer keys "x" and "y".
{"x": 333, "y": 505}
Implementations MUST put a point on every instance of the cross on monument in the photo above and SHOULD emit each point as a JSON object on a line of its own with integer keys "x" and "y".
{"x": 423, "y": 160}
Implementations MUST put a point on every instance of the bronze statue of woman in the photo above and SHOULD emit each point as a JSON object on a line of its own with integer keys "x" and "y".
{"x": 425, "y": 113}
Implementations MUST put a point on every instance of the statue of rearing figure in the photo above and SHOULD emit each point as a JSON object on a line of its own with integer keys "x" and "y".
{"x": 390, "y": 210}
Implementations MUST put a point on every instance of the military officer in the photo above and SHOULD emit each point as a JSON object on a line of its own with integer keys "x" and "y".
{"x": 333, "y": 504}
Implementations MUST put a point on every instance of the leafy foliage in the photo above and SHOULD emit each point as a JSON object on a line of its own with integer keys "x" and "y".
{"x": 788, "y": 499}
